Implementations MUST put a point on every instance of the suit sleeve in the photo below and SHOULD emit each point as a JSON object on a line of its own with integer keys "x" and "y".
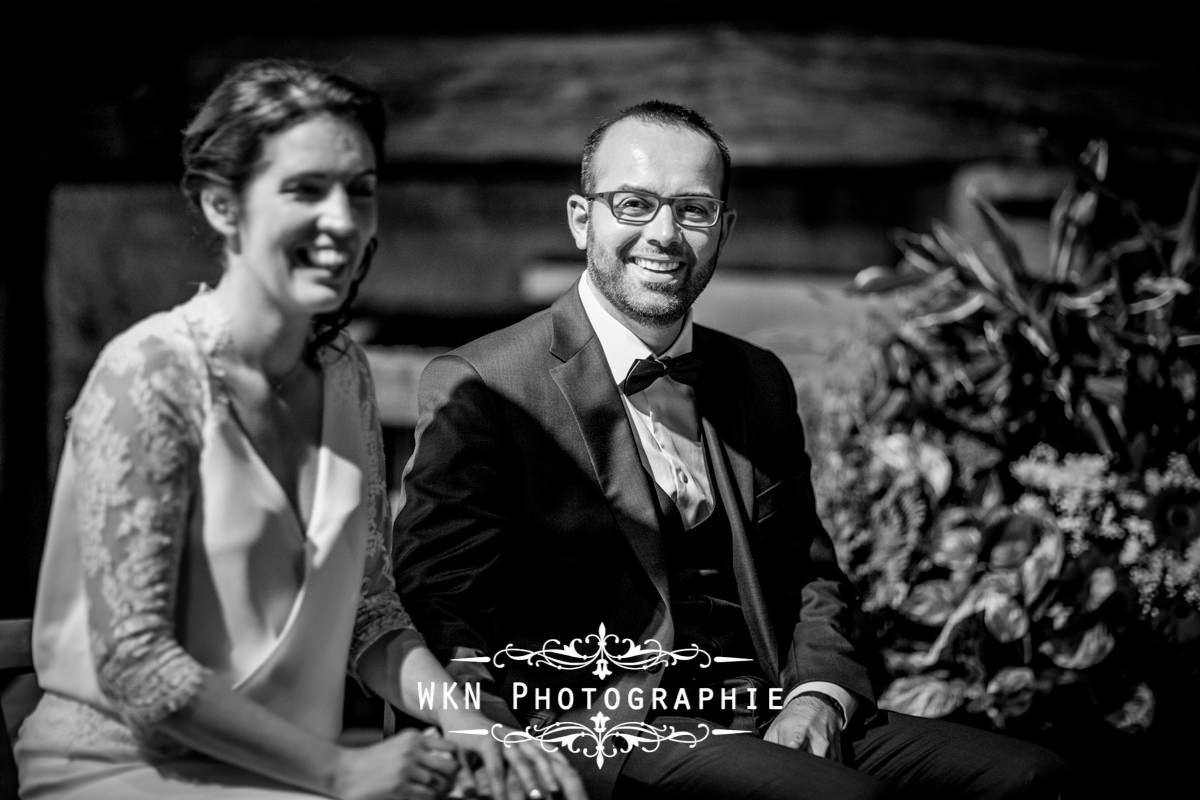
{"x": 453, "y": 520}
{"x": 827, "y": 641}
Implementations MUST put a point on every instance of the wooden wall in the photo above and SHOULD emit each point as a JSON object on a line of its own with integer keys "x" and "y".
{"x": 839, "y": 136}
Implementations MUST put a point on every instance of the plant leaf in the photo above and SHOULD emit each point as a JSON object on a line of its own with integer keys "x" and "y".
{"x": 1067, "y": 221}
{"x": 1080, "y": 651}
{"x": 956, "y": 548}
{"x": 973, "y": 304}
{"x": 1094, "y": 162}
{"x": 1003, "y": 236}
{"x": 1108, "y": 389}
{"x": 1043, "y": 565}
{"x": 1101, "y": 584}
{"x": 1092, "y": 424}
{"x": 1087, "y": 302}
{"x": 1189, "y": 229}
{"x": 1137, "y": 713}
{"x": 1004, "y": 617}
{"x": 879, "y": 280}
{"x": 923, "y": 696}
{"x": 966, "y": 261}
{"x": 931, "y": 602}
{"x": 1035, "y": 338}
{"x": 1074, "y": 212}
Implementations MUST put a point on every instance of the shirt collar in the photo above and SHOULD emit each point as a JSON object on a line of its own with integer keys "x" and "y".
{"x": 621, "y": 346}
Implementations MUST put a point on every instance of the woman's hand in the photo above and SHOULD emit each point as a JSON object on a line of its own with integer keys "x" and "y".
{"x": 407, "y": 766}
{"x": 510, "y": 772}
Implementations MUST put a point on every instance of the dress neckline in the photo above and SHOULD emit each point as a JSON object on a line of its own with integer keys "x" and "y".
{"x": 211, "y": 326}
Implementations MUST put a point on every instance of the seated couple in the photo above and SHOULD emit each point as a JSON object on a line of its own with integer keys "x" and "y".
{"x": 607, "y": 534}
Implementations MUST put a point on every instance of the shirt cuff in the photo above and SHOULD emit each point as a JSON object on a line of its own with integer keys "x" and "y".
{"x": 836, "y": 693}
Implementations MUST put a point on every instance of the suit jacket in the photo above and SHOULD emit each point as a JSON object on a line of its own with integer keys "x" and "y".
{"x": 528, "y": 517}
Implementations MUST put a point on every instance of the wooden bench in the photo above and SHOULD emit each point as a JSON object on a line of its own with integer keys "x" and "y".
{"x": 16, "y": 657}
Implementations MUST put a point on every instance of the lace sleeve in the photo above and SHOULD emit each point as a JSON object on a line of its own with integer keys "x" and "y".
{"x": 379, "y": 608}
{"x": 135, "y": 438}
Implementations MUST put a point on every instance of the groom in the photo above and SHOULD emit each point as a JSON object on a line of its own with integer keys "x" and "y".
{"x": 609, "y": 462}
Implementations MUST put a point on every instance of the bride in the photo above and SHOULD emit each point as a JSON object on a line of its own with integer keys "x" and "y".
{"x": 218, "y": 554}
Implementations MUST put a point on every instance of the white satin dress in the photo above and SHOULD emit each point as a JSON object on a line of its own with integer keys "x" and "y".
{"x": 173, "y": 552}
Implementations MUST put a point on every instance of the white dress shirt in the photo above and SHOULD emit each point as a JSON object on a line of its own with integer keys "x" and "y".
{"x": 668, "y": 435}
{"x": 663, "y": 414}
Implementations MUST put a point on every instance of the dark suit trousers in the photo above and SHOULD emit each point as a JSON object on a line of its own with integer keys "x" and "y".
{"x": 896, "y": 756}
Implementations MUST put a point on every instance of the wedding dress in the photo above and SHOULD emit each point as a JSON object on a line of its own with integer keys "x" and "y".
{"x": 173, "y": 553}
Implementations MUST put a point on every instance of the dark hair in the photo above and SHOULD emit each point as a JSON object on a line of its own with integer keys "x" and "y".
{"x": 661, "y": 113}
{"x": 255, "y": 100}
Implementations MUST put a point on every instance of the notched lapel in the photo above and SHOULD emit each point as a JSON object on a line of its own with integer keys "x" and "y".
{"x": 586, "y": 385}
{"x": 724, "y": 418}
{"x": 724, "y": 421}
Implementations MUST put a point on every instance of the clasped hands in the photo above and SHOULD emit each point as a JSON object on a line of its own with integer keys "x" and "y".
{"x": 414, "y": 765}
{"x": 807, "y": 723}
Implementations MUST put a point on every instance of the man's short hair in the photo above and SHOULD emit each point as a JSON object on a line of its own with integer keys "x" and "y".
{"x": 661, "y": 113}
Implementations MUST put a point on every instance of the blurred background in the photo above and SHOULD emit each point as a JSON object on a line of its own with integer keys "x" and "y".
{"x": 845, "y": 126}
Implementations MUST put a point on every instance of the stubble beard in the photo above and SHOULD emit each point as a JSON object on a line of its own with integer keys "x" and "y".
{"x": 609, "y": 275}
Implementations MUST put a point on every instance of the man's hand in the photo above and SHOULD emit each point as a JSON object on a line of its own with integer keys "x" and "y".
{"x": 512, "y": 772}
{"x": 807, "y": 723}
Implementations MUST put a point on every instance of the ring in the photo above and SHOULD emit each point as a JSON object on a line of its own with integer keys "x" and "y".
{"x": 535, "y": 794}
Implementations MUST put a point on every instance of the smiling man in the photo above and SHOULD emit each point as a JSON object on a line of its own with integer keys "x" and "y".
{"x": 646, "y": 268}
{"x": 620, "y": 500}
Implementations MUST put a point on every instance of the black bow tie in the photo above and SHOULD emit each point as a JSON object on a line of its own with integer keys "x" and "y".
{"x": 645, "y": 371}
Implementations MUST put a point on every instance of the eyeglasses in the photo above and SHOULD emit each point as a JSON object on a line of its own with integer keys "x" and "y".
{"x": 638, "y": 208}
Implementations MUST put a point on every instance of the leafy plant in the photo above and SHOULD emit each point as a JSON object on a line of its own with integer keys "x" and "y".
{"x": 1100, "y": 355}
{"x": 1014, "y": 489}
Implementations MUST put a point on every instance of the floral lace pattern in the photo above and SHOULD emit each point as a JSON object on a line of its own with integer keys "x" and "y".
{"x": 136, "y": 438}
{"x": 136, "y": 434}
{"x": 379, "y": 609}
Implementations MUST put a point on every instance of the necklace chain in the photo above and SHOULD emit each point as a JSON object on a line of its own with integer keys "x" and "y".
{"x": 277, "y": 384}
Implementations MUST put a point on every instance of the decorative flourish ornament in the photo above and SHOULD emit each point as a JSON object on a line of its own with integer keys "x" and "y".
{"x": 594, "y": 648}
{"x": 601, "y": 742}
{"x": 601, "y": 649}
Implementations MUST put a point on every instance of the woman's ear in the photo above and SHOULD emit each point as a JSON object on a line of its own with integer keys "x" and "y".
{"x": 220, "y": 209}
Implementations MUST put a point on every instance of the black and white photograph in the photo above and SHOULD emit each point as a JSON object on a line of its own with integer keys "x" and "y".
{"x": 612, "y": 402}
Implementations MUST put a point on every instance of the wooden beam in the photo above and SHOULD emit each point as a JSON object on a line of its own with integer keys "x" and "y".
{"x": 16, "y": 644}
{"x": 780, "y": 99}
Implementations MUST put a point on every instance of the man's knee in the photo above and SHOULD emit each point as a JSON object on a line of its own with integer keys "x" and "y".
{"x": 1049, "y": 776}
{"x": 871, "y": 790}
{"x": 1038, "y": 774}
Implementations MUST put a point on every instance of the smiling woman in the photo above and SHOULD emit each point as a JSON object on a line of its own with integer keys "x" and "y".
{"x": 306, "y": 219}
{"x": 218, "y": 553}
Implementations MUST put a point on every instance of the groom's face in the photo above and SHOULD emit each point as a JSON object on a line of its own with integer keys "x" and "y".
{"x": 651, "y": 273}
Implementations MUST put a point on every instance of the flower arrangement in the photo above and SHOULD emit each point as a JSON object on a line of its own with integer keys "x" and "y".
{"x": 1014, "y": 487}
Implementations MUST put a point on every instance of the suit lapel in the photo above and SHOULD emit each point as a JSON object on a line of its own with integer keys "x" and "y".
{"x": 585, "y": 382}
{"x": 724, "y": 420}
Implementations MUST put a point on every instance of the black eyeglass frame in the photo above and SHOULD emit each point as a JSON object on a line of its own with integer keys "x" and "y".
{"x": 671, "y": 201}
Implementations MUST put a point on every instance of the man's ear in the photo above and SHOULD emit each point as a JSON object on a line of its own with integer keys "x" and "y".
{"x": 220, "y": 209}
{"x": 578, "y": 218}
{"x": 728, "y": 220}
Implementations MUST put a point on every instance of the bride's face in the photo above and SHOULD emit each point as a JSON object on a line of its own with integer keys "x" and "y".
{"x": 305, "y": 217}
